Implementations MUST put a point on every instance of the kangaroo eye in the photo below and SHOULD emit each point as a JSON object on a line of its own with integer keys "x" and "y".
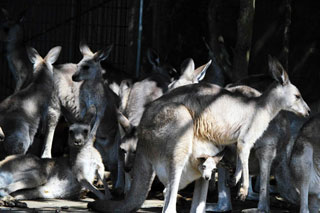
{"x": 204, "y": 167}
{"x": 85, "y": 132}
{"x": 71, "y": 132}
{"x": 298, "y": 96}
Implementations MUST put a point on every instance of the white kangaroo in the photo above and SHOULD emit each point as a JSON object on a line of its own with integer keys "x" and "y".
{"x": 194, "y": 120}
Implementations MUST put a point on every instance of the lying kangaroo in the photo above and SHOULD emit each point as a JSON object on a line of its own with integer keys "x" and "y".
{"x": 297, "y": 172}
{"x": 11, "y": 32}
{"x": 20, "y": 113}
{"x": 30, "y": 177}
{"x": 204, "y": 116}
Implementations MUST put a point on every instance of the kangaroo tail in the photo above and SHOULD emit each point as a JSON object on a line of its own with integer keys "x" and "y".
{"x": 143, "y": 175}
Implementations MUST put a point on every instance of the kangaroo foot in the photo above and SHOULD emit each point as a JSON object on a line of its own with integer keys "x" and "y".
{"x": 253, "y": 210}
{"x": 9, "y": 201}
{"x": 243, "y": 192}
{"x": 218, "y": 207}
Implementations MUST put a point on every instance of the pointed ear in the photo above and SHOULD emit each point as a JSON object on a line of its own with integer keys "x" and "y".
{"x": 103, "y": 54}
{"x": 84, "y": 49}
{"x": 5, "y": 14}
{"x": 1, "y": 135}
{"x": 34, "y": 56}
{"x": 217, "y": 158}
{"x": 124, "y": 92}
{"x": 153, "y": 57}
{"x": 124, "y": 122}
{"x": 187, "y": 69}
{"x": 21, "y": 16}
{"x": 277, "y": 71}
{"x": 53, "y": 55}
{"x": 90, "y": 114}
{"x": 200, "y": 72}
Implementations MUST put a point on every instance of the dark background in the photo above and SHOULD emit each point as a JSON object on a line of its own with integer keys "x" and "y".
{"x": 176, "y": 30}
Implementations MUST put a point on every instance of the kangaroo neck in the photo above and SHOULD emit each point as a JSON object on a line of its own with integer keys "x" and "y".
{"x": 271, "y": 101}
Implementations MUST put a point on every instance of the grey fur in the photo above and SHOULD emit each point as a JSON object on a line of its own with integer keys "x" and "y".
{"x": 21, "y": 112}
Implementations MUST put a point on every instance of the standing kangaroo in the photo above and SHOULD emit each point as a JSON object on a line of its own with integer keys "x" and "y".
{"x": 11, "y": 32}
{"x": 198, "y": 118}
{"x": 298, "y": 170}
{"x": 135, "y": 98}
{"x": 20, "y": 113}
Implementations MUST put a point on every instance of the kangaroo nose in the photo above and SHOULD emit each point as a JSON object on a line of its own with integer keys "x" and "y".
{"x": 1, "y": 137}
{"x": 74, "y": 78}
{"x": 206, "y": 178}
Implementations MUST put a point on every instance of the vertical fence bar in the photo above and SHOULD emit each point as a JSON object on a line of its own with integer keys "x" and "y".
{"x": 139, "y": 39}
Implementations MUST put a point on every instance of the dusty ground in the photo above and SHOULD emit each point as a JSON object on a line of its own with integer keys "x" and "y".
{"x": 152, "y": 204}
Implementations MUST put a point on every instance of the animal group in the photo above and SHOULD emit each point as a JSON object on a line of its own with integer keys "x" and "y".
{"x": 179, "y": 129}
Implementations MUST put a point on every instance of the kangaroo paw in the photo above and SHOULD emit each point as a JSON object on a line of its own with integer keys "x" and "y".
{"x": 243, "y": 192}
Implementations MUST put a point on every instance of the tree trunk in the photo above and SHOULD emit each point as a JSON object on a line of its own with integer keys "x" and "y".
{"x": 244, "y": 37}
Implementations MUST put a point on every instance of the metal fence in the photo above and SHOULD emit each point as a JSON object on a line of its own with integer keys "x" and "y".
{"x": 67, "y": 22}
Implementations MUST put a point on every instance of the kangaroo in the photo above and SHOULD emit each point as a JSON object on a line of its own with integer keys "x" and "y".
{"x": 76, "y": 88}
{"x": 264, "y": 150}
{"x": 21, "y": 112}
{"x": 93, "y": 92}
{"x": 204, "y": 116}
{"x": 31, "y": 177}
{"x": 11, "y": 32}
{"x": 297, "y": 173}
{"x": 86, "y": 161}
{"x": 133, "y": 102}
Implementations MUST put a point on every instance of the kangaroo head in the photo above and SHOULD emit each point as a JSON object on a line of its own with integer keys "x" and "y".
{"x": 1, "y": 135}
{"x": 290, "y": 97}
{"x": 89, "y": 67}
{"x": 10, "y": 28}
{"x": 208, "y": 164}
{"x": 129, "y": 140}
{"x": 160, "y": 67}
{"x": 45, "y": 63}
{"x": 78, "y": 134}
{"x": 189, "y": 74}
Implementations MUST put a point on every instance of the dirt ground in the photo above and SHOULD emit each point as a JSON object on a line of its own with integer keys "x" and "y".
{"x": 153, "y": 203}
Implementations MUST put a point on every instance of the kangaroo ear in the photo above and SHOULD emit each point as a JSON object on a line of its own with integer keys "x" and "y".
{"x": 153, "y": 58}
{"x": 217, "y": 158}
{"x": 84, "y": 49}
{"x": 103, "y": 54}
{"x": 53, "y": 55}
{"x": 1, "y": 135}
{"x": 124, "y": 92}
{"x": 5, "y": 14}
{"x": 21, "y": 16}
{"x": 124, "y": 122}
{"x": 34, "y": 56}
{"x": 277, "y": 71}
{"x": 200, "y": 72}
{"x": 187, "y": 69}
{"x": 90, "y": 114}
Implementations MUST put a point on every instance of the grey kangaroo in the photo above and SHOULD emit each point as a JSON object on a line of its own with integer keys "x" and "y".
{"x": 204, "y": 116}
{"x": 30, "y": 177}
{"x": 11, "y": 32}
{"x": 297, "y": 172}
{"x": 20, "y": 113}
{"x": 134, "y": 99}
{"x": 77, "y": 87}
{"x": 264, "y": 151}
